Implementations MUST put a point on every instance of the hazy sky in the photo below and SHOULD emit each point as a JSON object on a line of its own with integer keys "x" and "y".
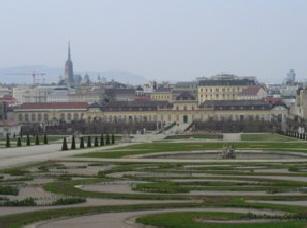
{"x": 160, "y": 39}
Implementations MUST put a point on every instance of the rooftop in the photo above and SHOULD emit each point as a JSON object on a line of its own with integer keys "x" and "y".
{"x": 55, "y": 105}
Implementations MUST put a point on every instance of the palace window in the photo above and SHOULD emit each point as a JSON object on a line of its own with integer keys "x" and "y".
{"x": 33, "y": 117}
{"x": 20, "y": 117}
{"x": 46, "y": 117}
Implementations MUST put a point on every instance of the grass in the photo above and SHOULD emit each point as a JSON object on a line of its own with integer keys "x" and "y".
{"x": 266, "y": 137}
{"x": 179, "y": 147}
{"x": 19, "y": 220}
{"x": 192, "y": 220}
{"x": 196, "y": 136}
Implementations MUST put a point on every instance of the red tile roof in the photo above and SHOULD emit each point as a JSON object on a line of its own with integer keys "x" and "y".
{"x": 251, "y": 90}
{"x": 55, "y": 105}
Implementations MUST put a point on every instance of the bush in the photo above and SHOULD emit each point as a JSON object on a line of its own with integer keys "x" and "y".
{"x": 89, "y": 141}
{"x": 113, "y": 139}
{"x": 81, "y": 142}
{"x": 101, "y": 140}
{"x": 68, "y": 201}
{"x": 293, "y": 169}
{"x": 96, "y": 142}
{"x": 16, "y": 172}
{"x": 108, "y": 140}
{"x": 28, "y": 140}
{"x": 8, "y": 143}
{"x": 9, "y": 190}
{"x": 65, "y": 147}
{"x": 26, "y": 202}
{"x": 19, "y": 142}
{"x": 36, "y": 140}
{"x": 45, "y": 139}
{"x": 73, "y": 143}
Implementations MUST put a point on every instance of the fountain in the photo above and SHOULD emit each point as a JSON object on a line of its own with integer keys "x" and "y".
{"x": 228, "y": 153}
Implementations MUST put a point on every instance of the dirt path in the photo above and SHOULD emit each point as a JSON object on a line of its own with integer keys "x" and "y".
{"x": 126, "y": 219}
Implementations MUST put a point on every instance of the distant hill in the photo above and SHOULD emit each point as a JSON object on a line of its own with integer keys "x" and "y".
{"x": 23, "y": 74}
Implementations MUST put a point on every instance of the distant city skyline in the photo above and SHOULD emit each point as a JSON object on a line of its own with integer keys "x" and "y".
{"x": 162, "y": 40}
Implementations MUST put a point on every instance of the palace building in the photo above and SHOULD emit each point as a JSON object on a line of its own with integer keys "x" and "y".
{"x": 183, "y": 110}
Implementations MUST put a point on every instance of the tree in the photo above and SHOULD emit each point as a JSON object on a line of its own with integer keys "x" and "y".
{"x": 81, "y": 142}
{"x": 101, "y": 140}
{"x": 36, "y": 140}
{"x": 113, "y": 139}
{"x": 19, "y": 142}
{"x": 89, "y": 141}
{"x": 73, "y": 143}
{"x": 8, "y": 142}
{"x": 108, "y": 140}
{"x": 96, "y": 142}
{"x": 65, "y": 147}
{"x": 45, "y": 139}
{"x": 28, "y": 140}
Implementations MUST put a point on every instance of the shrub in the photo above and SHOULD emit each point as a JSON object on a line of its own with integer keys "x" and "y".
{"x": 25, "y": 202}
{"x": 16, "y": 172}
{"x": 36, "y": 140}
{"x": 101, "y": 140}
{"x": 9, "y": 190}
{"x": 45, "y": 139}
{"x": 8, "y": 143}
{"x": 28, "y": 140}
{"x": 96, "y": 142}
{"x": 19, "y": 142}
{"x": 89, "y": 141}
{"x": 81, "y": 142}
{"x": 113, "y": 139}
{"x": 73, "y": 143}
{"x": 65, "y": 147}
{"x": 68, "y": 201}
{"x": 108, "y": 140}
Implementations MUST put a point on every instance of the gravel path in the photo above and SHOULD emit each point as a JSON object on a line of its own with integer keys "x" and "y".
{"x": 11, "y": 157}
{"x": 89, "y": 203}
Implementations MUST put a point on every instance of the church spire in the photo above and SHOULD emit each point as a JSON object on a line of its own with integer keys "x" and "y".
{"x": 69, "y": 56}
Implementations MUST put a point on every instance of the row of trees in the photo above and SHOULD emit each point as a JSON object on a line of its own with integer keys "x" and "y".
{"x": 97, "y": 142}
{"x": 27, "y": 141}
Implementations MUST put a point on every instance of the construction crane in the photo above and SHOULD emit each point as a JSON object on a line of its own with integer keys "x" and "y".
{"x": 37, "y": 77}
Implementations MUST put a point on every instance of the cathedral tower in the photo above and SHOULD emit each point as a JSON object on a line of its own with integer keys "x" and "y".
{"x": 69, "y": 72}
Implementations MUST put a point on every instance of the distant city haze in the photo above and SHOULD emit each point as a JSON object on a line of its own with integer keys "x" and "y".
{"x": 158, "y": 39}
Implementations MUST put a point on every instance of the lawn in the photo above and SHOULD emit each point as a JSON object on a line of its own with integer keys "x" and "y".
{"x": 267, "y": 137}
{"x": 192, "y": 220}
{"x": 169, "y": 147}
{"x": 196, "y": 136}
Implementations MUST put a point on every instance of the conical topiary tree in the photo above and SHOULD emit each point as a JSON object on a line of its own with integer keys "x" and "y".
{"x": 28, "y": 140}
{"x": 107, "y": 139}
{"x": 65, "y": 147}
{"x": 81, "y": 142}
{"x": 8, "y": 141}
{"x": 96, "y": 143}
{"x": 45, "y": 139}
{"x": 36, "y": 140}
{"x": 73, "y": 143}
{"x": 89, "y": 141}
{"x": 113, "y": 139}
{"x": 19, "y": 142}
{"x": 101, "y": 140}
